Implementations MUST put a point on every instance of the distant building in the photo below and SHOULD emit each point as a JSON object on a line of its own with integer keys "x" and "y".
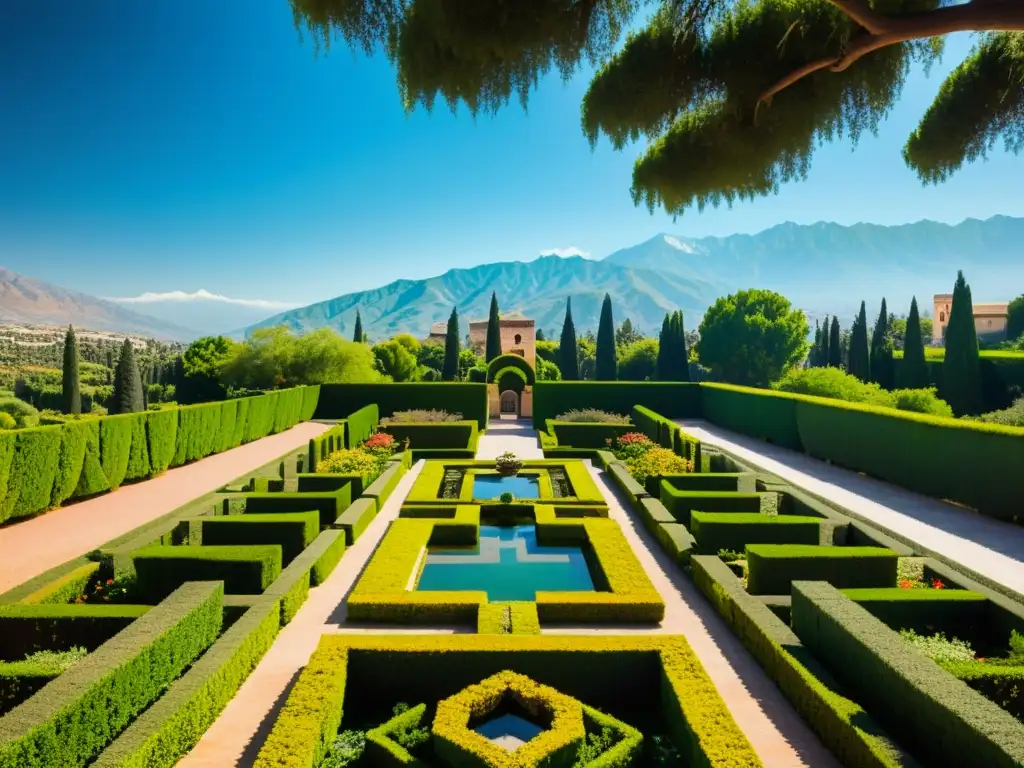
{"x": 989, "y": 319}
{"x": 518, "y": 336}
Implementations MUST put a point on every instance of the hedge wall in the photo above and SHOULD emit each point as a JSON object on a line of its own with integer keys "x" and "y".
{"x": 976, "y": 464}
{"x": 43, "y": 467}
{"x": 671, "y": 399}
{"x": 947, "y": 723}
{"x": 361, "y": 424}
{"x": 69, "y": 721}
{"x": 337, "y": 401}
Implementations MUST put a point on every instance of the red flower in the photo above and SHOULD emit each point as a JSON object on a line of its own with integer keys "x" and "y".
{"x": 110, "y": 581}
{"x": 633, "y": 437}
{"x": 937, "y": 584}
{"x": 380, "y": 440}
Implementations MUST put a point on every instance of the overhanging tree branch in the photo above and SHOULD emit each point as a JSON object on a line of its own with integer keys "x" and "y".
{"x": 882, "y": 31}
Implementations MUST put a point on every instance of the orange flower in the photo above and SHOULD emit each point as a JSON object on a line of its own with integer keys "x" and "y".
{"x": 906, "y": 584}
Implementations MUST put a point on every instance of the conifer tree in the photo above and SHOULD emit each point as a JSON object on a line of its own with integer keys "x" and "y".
{"x": 814, "y": 356}
{"x": 357, "y": 335}
{"x": 493, "y": 348}
{"x": 825, "y": 350}
{"x": 568, "y": 356}
{"x": 835, "y": 349}
{"x": 881, "y": 364}
{"x": 859, "y": 364}
{"x": 127, "y": 384}
{"x": 679, "y": 362}
{"x": 606, "y": 357}
{"x": 661, "y": 366}
{"x": 961, "y": 371}
{"x": 71, "y": 389}
{"x": 915, "y": 368}
{"x": 450, "y": 370}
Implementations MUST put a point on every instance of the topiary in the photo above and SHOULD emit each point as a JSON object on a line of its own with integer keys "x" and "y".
{"x": 7, "y": 421}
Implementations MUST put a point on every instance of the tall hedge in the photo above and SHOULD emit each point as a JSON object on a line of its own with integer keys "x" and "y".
{"x": 337, "y": 401}
{"x": 43, "y": 467}
{"x": 675, "y": 400}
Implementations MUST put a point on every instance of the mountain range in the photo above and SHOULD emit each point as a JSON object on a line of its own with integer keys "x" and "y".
{"x": 26, "y": 301}
{"x": 822, "y": 268}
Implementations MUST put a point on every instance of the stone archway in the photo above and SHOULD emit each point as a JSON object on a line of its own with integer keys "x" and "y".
{"x": 509, "y": 403}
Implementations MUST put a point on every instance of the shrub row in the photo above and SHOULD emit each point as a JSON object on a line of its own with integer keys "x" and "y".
{"x": 606, "y": 672}
{"x": 337, "y": 401}
{"x": 323, "y": 446}
{"x": 249, "y": 570}
{"x": 576, "y": 434}
{"x": 43, "y": 467}
{"x": 166, "y": 731}
{"x": 73, "y": 718}
{"x": 772, "y": 568}
{"x": 443, "y": 435}
{"x": 715, "y": 531}
{"x": 671, "y": 399}
{"x": 667, "y": 434}
{"x": 944, "y": 458}
{"x": 360, "y": 424}
{"x": 948, "y": 723}
{"x": 843, "y": 726}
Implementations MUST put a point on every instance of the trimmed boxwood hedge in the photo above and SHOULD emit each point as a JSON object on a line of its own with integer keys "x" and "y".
{"x": 25, "y": 629}
{"x": 674, "y": 400}
{"x": 330, "y": 504}
{"x": 682, "y": 503}
{"x": 844, "y": 727}
{"x": 160, "y": 570}
{"x": 69, "y": 721}
{"x": 361, "y": 424}
{"x": 293, "y": 531}
{"x": 337, "y": 401}
{"x": 771, "y": 568}
{"x": 166, "y": 731}
{"x": 44, "y": 467}
{"x": 452, "y": 434}
{"x": 715, "y": 531}
{"x": 947, "y": 723}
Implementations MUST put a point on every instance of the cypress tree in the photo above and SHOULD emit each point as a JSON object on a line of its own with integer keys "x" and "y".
{"x": 493, "y": 348}
{"x": 835, "y": 349}
{"x": 450, "y": 371}
{"x": 606, "y": 358}
{"x": 881, "y": 364}
{"x": 859, "y": 364}
{"x": 661, "y": 366}
{"x": 568, "y": 357}
{"x": 814, "y": 356}
{"x": 110, "y": 359}
{"x": 824, "y": 351}
{"x": 357, "y": 335}
{"x": 680, "y": 359}
{"x": 127, "y": 384}
{"x": 915, "y": 368}
{"x": 961, "y": 371}
{"x": 71, "y": 389}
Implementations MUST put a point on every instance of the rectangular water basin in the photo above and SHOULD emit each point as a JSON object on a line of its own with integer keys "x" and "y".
{"x": 490, "y": 487}
{"x": 507, "y": 564}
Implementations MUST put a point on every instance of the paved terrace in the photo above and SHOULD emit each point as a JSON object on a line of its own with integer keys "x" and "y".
{"x": 992, "y": 548}
{"x": 34, "y": 546}
{"x": 778, "y": 734}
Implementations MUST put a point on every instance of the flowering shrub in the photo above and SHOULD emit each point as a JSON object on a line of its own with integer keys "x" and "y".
{"x": 919, "y": 584}
{"x": 630, "y": 444}
{"x": 368, "y": 460}
{"x": 657, "y": 461}
{"x": 938, "y": 647}
{"x": 109, "y": 591}
{"x": 420, "y": 417}
{"x": 592, "y": 416}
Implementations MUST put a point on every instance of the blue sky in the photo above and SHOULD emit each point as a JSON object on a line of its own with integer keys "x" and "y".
{"x": 178, "y": 145}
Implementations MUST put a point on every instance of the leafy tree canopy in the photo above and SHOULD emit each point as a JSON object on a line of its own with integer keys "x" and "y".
{"x": 735, "y": 95}
{"x": 205, "y": 356}
{"x": 273, "y": 358}
{"x": 395, "y": 360}
{"x": 752, "y": 337}
{"x": 638, "y": 360}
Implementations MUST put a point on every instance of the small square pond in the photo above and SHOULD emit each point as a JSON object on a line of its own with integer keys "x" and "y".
{"x": 507, "y": 564}
{"x": 490, "y": 487}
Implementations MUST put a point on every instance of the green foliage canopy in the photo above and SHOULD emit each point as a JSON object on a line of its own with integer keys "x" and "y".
{"x": 752, "y": 337}
{"x": 273, "y": 357}
{"x": 638, "y": 361}
{"x": 735, "y": 96}
{"x": 396, "y": 361}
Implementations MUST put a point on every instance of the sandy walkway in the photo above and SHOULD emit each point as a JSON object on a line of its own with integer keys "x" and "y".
{"x": 36, "y": 545}
{"x": 992, "y": 548}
